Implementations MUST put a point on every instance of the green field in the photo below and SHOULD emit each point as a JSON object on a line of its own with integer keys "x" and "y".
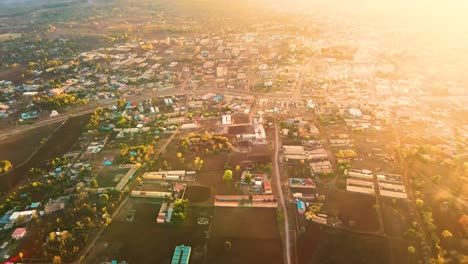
{"x": 9, "y": 36}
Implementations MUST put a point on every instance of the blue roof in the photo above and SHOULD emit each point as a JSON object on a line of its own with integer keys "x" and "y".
{"x": 6, "y": 218}
{"x": 181, "y": 255}
{"x": 300, "y": 205}
{"x": 35, "y": 205}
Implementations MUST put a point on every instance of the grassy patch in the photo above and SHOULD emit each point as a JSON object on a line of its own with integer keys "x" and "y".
{"x": 9, "y": 36}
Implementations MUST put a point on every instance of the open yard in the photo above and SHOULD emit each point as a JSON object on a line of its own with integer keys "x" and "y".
{"x": 197, "y": 194}
{"x": 321, "y": 244}
{"x": 19, "y": 147}
{"x": 356, "y": 210}
{"x": 109, "y": 176}
{"x": 253, "y": 233}
{"x": 145, "y": 241}
{"x": 395, "y": 216}
{"x": 375, "y": 150}
{"x": 60, "y": 142}
{"x": 9, "y": 36}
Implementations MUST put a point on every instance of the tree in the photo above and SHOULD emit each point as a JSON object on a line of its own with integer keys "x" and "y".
{"x": 103, "y": 199}
{"x": 198, "y": 163}
{"x": 419, "y": 203}
{"x": 227, "y": 245}
{"x": 5, "y": 166}
{"x": 57, "y": 260}
{"x": 411, "y": 249}
{"x": 238, "y": 168}
{"x": 463, "y": 221}
{"x": 446, "y": 234}
{"x": 321, "y": 198}
{"x": 227, "y": 177}
{"x": 248, "y": 178}
{"x": 93, "y": 184}
{"x": 180, "y": 211}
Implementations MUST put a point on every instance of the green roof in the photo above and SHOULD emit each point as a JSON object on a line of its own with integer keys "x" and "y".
{"x": 181, "y": 255}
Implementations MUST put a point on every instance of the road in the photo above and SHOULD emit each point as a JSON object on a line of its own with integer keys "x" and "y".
{"x": 279, "y": 189}
{"x": 427, "y": 254}
{"x": 300, "y": 82}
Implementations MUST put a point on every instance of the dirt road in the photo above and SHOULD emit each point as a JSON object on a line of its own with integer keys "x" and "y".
{"x": 281, "y": 198}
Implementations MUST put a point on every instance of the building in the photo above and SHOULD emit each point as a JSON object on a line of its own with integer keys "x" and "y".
{"x": 188, "y": 126}
{"x": 294, "y": 153}
{"x": 25, "y": 216}
{"x": 267, "y": 187}
{"x": 181, "y": 255}
{"x": 321, "y": 167}
{"x": 230, "y": 200}
{"x": 301, "y": 183}
{"x": 317, "y": 154}
{"x": 19, "y": 233}
{"x": 221, "y": 71}
{"x": 356, "y": 113}
{"x": 391, "y": 185}
{"x": 300, "y": 207}
{"x": 31, "y": 115}
{"x": 361, "y": 181}
{"x": 165, "y": 175}
{"x": 226, "y": 120}
{"x": 150, "y": 194}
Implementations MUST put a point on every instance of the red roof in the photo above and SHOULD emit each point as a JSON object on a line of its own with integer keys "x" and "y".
{"x": 18, "y": 233}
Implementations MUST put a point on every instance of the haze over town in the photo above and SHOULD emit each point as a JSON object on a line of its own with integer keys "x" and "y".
{"x": 218, "y": 131}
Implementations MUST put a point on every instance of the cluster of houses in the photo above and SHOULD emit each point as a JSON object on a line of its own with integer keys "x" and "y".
{"x": 257, "y": 182}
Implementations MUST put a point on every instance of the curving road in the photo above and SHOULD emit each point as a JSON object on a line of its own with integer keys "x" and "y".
{"x": 279, "y": 189}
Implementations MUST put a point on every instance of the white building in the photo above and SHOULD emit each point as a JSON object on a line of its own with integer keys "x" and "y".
{"x": 226, "y": 119}
{"x": 356, "y": 113}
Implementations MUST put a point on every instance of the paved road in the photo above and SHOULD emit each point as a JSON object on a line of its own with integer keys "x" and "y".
{"x": 279, "y": 188}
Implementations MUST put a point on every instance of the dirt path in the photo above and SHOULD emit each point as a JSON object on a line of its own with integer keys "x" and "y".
{"x": 279, "y": 189}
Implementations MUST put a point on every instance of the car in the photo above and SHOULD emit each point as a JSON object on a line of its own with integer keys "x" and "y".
{"x": 54, "y": 113}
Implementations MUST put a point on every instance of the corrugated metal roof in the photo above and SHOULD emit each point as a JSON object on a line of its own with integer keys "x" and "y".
{"x": 181, "y": 255}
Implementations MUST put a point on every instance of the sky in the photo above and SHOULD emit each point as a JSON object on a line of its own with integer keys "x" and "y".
{"x": 437, "y": 22}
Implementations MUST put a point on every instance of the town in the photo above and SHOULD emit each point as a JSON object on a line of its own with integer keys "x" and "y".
{"x": 187, "y": 137}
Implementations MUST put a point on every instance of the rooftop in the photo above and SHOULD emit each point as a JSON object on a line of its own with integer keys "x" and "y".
{"x": 181, "y": 255}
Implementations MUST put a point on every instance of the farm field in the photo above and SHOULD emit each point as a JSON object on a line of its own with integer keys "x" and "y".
{"x": 253, "y": 233}
{"x": 60, "y": 142}
{"x": 197, "y": 194}
{"x": 320, "y": 244}
{"x": 356, "y": 210}
{"x": 145, "y": 241}
{"x": 18, "y": 148}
